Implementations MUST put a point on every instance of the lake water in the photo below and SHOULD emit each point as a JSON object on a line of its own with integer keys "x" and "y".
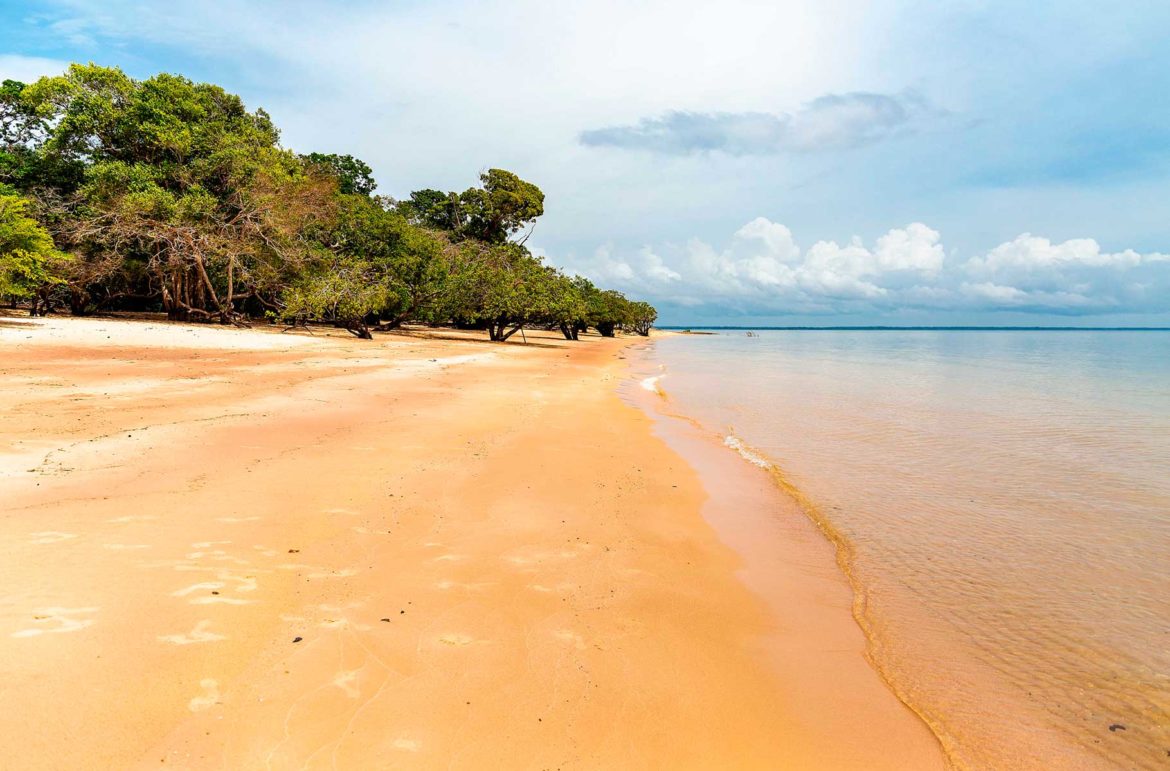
{"x": 1001, "y": 503}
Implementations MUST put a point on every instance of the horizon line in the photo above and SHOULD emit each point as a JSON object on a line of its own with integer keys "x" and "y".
{"x": 937, "y": 328}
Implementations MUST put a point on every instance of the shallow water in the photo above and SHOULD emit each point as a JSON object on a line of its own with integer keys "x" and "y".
{"x": 1001, "y": 501}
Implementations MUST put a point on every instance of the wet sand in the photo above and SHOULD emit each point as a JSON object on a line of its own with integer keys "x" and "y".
{"x": 243, "y": 549}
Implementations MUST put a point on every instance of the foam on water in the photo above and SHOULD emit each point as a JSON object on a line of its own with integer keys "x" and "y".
{"x": 745, "y": 452}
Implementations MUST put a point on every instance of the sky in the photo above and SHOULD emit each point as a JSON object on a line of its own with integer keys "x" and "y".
{"x": 819, "y": 162}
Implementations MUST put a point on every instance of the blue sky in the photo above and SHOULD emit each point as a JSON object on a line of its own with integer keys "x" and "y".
{"x": 821, "y": 161}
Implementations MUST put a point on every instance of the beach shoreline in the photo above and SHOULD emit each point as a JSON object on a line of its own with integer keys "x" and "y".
{"x": 285, "y": 550}
{"x": 819, "y": 646}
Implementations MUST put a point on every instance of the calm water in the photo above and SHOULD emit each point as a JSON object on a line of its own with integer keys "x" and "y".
{"x": 1002, "y": 504}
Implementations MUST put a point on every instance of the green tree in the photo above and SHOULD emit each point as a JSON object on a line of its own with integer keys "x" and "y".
{"x": 28, "y": 258}
{"x": 353, "y": 175}
{"x": 569, "y": 305}
{"x": 341, "y": 290}
{"x": 181, "y": 180}
{"x": 503, "y": 205}
{"x": 609, "y": 311}
{"x": 500, "y": 286}
{"x": 409, "y": 262}
{"x": 23, "y": 132}
{"x": 434, "y": 209}
{"x": 642, "y": 316}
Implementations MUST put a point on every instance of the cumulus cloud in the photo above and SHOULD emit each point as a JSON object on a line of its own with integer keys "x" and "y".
{"x": 1033, "y": 273}
{"x": 762, "y": 269}
{"x": 833, "y": 121}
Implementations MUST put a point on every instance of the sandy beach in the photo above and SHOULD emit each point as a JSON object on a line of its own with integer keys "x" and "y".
{"x": 246, "y": 549}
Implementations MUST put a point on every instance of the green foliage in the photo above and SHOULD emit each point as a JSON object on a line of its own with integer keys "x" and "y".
{"x": 101, "y": 114}
{"x": 504, "y": 205}
{"x": 342, "y": 290}
{"x": 178, "y": 175}
{"x": 500, "y": 286}
{"x": 353, "y": 175}
{"x": 642, "y": 316}
{"x": 434, "y": 209}
{"x": 492, "y": 213}
{"x": 27, "y": 256}
{"x": 610, "y": 311}
{"x": 23, "y": 163}
{"x": 407, "y": 262}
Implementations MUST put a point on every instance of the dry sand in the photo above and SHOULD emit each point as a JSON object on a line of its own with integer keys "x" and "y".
{"x": 245, "y": 549}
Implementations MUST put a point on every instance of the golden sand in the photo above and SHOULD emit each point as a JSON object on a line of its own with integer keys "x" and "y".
{"x": 243, "y": 549}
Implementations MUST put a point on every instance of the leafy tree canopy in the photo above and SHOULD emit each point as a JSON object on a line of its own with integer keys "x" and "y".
{"x": 353, "y": 175}
{"x": 502, "y": 206}
{"x": 27, "y": 253}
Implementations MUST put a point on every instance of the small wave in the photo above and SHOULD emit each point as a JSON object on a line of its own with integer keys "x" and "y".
{"x": 745, "y": 452}
{"x": 651, "y": 384}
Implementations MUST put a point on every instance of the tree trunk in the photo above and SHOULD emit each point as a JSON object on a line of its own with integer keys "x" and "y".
{"x": 227, "y": 310}
{"x": 359, "y": 328}
{"x": 78, "y": 300}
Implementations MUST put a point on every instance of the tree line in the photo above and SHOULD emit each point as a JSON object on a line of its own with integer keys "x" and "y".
{"x": 169, "y": 195}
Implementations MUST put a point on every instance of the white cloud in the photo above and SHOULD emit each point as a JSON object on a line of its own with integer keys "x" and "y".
{"x": 763, "y": 270}
{"x": 915, "y": 248}
{"x": 763, "y": 264}
{"x": 1028, "y": 253}
{"x": 28, "y": 68}
{"x": 1072, "y": 276}
{"x": 829, "y": 122}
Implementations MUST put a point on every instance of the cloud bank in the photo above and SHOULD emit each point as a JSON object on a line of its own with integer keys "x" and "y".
{"x": 830, "y": 122}
{"x": 763, "y": 270}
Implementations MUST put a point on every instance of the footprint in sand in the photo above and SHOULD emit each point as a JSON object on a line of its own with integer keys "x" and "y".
{"x": 51, "y": 536}
{"x": 208, "y": 586}
{"x": 476, "y": 587}
{"x": 526, "y": 561}
{"x": 217, "y": 555}
{"x": 457, "y": 640}
{"x": 367, "y": 531}
{"x": 243, "y": 583}
{"x": 570, "y": 637}
{"x": 197, "y": 635}
{"x": 56, "y": 621}
{"x": 347, "y": 681}
{"x": 346, "y": 573}
{"x": 209, "y": 698}
{"x": 558, "y": 589}
{"x": 221, "y": 600}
